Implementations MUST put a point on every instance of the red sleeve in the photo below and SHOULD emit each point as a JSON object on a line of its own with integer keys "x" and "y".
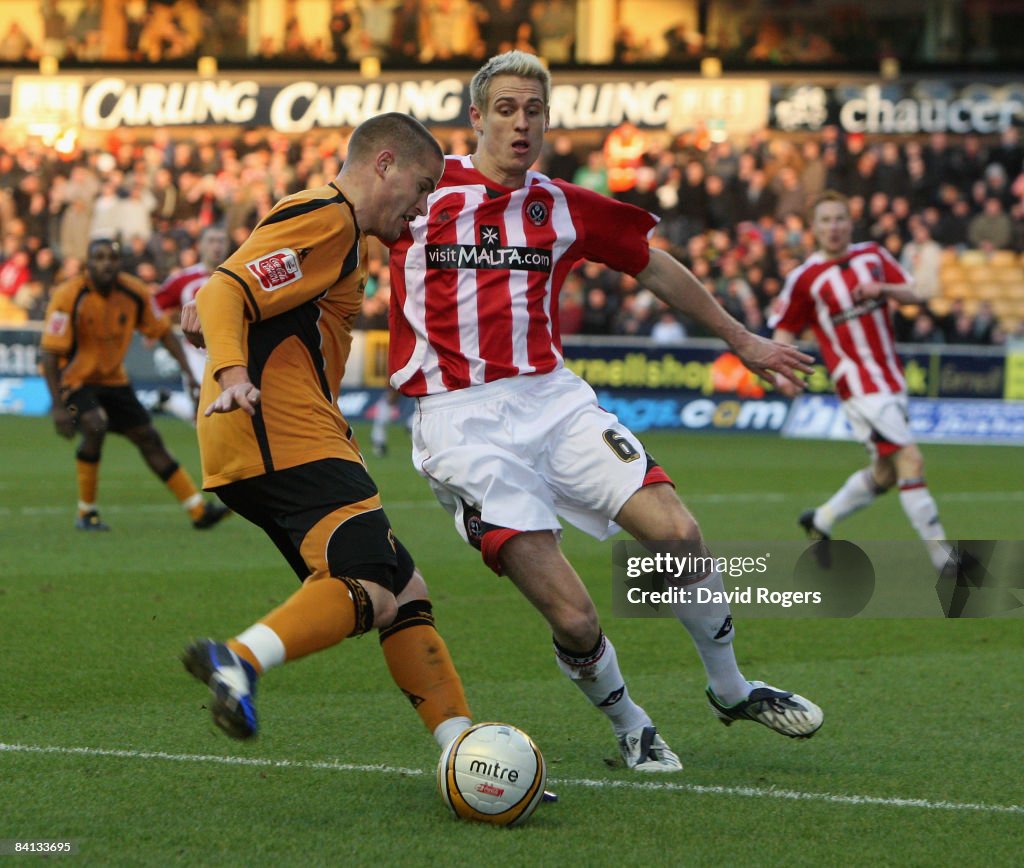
{"x": 610, "y": 232}
{"x": 794, "y": 309}
{"x": 169, "y": 294}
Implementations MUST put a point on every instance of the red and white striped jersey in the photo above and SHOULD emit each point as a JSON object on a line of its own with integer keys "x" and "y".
{"x": 856, "y": 339}
{"x": 475, "y": 282}
{"x": 181, "y": 287}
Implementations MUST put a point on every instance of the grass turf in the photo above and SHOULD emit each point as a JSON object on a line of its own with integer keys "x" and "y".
{"x": 916, "y": 763}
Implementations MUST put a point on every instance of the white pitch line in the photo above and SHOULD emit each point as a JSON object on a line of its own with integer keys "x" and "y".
{"x": 656, "y": 786}
{"x": 320, "y": 765}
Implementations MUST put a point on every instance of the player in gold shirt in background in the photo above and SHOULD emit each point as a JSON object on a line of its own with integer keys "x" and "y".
{"x": 90, "y": 322}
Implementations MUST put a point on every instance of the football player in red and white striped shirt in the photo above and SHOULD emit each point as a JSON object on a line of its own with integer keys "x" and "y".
{"x": 842, "y": 292}
{"x": 177, "y": 291}
{"x": 511, "y": 440}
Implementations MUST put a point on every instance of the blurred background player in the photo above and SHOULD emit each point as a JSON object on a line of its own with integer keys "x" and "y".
{"x": 277, "y": 319}
{"x": 89, "y": 326}
{"x": 510, "y": 439}
{"x": 383, "y": 409}
{"x": 842, "y": 292}
{"x": 177, "y": 291}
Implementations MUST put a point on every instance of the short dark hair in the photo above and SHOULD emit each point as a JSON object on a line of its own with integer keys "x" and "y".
{"x": 400, "y": 132}
{"x": 112, "y": 243}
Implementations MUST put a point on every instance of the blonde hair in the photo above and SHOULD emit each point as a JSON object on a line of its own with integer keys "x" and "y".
{"x": 517, "y": 63}
{"x": 829, "y": 196}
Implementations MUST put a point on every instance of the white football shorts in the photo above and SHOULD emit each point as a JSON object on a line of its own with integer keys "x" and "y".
{"x": 880, "y": 421}
{"x": 526, "y": 450}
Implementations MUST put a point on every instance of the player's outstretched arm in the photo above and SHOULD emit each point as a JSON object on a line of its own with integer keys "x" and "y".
{"x": 676, "y": 285}
{"x": 237, "y": 392}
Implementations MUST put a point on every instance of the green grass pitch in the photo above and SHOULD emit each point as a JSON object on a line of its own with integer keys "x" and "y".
{"x": 106, "y": 740}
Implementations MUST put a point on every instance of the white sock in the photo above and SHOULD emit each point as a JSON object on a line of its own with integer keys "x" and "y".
{"x": 265, "y": 644}
{"x": 597, "y": 675}
{"x": 857, "y": 492}
{"x": 451, "y": 728}
{"x": 920, "y": 507}
{"x": 381, "y": 418}
{"x": 713, "y": 638}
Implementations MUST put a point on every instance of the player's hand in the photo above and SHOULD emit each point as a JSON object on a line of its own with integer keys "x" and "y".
{"x": 237, "y": 392}
{"x": 773, "y": 361}
{"x": 243, "y": 396}
{"x": 63, "y": 422}
{"x": 867, "y": 290}
{"x": 191, "y": 327}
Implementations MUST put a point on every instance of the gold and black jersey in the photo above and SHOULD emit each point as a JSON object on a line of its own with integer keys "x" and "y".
{"x": 91, "y": 332}
{"x": 283, "y": 306}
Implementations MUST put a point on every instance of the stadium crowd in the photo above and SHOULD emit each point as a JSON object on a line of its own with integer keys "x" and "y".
{"x": 753, "y": 33}
{"x": 734, "y": 214}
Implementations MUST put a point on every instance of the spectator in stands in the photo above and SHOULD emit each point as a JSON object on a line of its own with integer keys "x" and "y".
{"x": 992, "y": 228}
{"x": 920, "y": 190}
{"x": 499, "y": 19}
{"x": 996, "y": 184}
{"x": 722, "y": 160}
{"x": 680, "y": 44}
{"x": 722, "y": 206}
{"x": 339, "y": 27}
{"x": 598, "y": 312}
{"x": 14, "y": 272}
{"x": 813, "y": 173}
{"x": 406, "y": 30}
{"x": 624, "y": 151}
{"x": 561, "y": 160}
{"x": 890, "y": 173}
{"x": 1009, "y": 153}
{"x": 15, "y": 45}
{"x": 954, "y": 221}
{"x": 939, "y": 159}
{"x": 921, "y": 258}
{"x": 377, "y": 25}
{"x": 570, "y": 304}
{"x": 791, "y": 195}
{"x": 450, "y": 32}
{"x": 985, "y": 323}
{"x": 693, "y": 208}
{"x": 959, "y": 325}
{"x": 554, "y": 23}
{"x": 925, "y": 330}
{"x": 971, "y": 160}
{"x": 668, "y": 329}
{"x": 593, "y": 175}
{"x": 55, "y": 29}
{"x": 758, "y": 200}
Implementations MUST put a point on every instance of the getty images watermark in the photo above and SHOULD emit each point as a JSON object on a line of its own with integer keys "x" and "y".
{"x": 830, "y": 579}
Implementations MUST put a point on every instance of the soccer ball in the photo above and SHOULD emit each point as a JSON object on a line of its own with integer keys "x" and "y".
{"x": 492, "y": 772}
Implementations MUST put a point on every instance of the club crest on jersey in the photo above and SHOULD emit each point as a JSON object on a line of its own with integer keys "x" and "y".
{"x": 57, "y": 324}
{"x": 538, "y": 213}
{"x": 276, "y": 269}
